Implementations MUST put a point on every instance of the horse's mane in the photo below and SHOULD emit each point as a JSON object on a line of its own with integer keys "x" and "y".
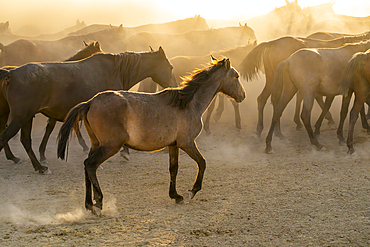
{"x": 127, "y": 66}
{"x": 181, "y": 97}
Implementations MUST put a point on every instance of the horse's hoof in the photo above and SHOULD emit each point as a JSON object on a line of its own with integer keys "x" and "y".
{"x": 179, "y": 199}
{"x": 125, "y": 156}
{"x": 17, "y": 161}
{"x": 45, "y": 172}
{"x": 269, "y": 151}
{"x": 350, "y": 151}
{"x": 97, "y": 211}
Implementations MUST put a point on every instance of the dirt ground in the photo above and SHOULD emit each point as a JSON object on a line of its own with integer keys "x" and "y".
{"x": 297, "y": 196}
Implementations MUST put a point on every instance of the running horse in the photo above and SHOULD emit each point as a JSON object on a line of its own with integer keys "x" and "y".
{"x": 54, "y": 88}
{"x": 175, "y": 122}
{"x": 311, "y": 72}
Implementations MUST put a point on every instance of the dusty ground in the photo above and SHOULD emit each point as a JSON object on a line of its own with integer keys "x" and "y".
{"x": 295, "y": 197}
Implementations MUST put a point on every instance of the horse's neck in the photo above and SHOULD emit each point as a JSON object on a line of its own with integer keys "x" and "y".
{"x": 205, "y": 94}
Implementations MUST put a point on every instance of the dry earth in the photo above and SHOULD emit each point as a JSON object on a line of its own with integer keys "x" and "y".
{"x": 296, "y": 197}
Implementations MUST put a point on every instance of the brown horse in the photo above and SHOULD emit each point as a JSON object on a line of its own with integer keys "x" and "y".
{"x": 311, "y": 72}
{"x": 356, "y": 79}
{"x": 174, "y": 122}
{"x": 183, "y": 64}
{"x": 54, "y": 88}
{"x": 270, "y": 54}
{"x": 89, "y": 49}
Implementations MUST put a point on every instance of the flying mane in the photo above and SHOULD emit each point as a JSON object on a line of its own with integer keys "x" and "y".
{"x": 181, "y": 97}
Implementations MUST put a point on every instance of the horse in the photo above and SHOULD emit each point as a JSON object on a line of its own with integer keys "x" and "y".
{"x": 54, "y": 88}
{"x": 175, "y": 122}
{"x": 270, "y": 54}
{"x": 311, "y": 72}
{"x": 356, "y": 79}
{"x": 179, "y": 26}
{"x": 89, "y": 49}
{"x": 183, "y": 64}
{"x": 24, "y": 51}
{"x": 192, "y": 43}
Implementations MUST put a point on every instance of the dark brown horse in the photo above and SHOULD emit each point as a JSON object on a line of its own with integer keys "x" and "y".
{"x": 356, "y": 79}
{"x": 174, "y": 122}
{"x": 89, "y": 49}
{"x": 54, "y": 88}
{"x": 311, "y": 72}
{"x": 270, "y": 54}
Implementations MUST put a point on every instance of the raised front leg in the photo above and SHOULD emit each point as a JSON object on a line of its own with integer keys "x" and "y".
{"x": 193, "y": 152}
{"x": 174, "y": 166}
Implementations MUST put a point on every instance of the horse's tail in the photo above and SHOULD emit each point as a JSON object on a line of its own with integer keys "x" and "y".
{"x": 355, "y": 66}
{"x": 252, "y": 63}
{"x": 75, "y": 114}
{"x": 278, "y": 81}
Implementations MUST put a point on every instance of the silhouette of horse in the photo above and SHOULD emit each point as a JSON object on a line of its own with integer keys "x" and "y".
{"x": 174, "y": 122}
{"x": 4, "y": 27}
{"x": 311, "y": 72}
{"x": 356, "y": 79}
{"x": 54, "y": 88}
{"x": 270, "y": 54}
{"x": 89, "y": 49}
{"x": 179, "y": 26}
{"x": 192, "y": 43}
{"x": 24, "y": 51}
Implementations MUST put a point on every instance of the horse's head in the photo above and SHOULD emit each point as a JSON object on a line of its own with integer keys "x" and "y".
{"x": 162, "y": 73}
{"x": 230, "y": 83}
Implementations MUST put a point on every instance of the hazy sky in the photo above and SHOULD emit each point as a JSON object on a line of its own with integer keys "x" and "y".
{"x": 61, "y": 14}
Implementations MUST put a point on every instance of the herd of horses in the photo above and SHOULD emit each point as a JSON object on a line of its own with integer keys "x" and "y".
{"x": 92, "y": 86}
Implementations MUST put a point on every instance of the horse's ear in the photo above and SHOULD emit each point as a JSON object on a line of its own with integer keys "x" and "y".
{"x": 97, "y": 44}
{"x": 213, "y": 60}
{"x": 161, "y": 51}
{"x": 151, "y": 49}
{"x": 240, "y": 25}
{"x": 7, "y": 24}
{"x": 86, "y": 44}
{"x": 121, "y": 26}
{"x": 227, "y": 64}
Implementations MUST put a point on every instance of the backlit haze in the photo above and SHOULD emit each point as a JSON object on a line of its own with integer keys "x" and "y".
{"x": 53, "y": 16}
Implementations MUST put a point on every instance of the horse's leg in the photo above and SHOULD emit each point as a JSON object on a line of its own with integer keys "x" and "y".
{"x": 286, "y": 96}
{"x": 328, "y": 116}
{"x": 125, "y": 152}
{"x": 8, "y": 153}
{"x": 26, "y": 142}
{"x": 297, "y": 112}
{"x": 81, "y": 140}
{"x": 308, "y": 101}
{"x": 356, "y": 108}
{"x": 174, "y": 166}
{"x": 238, "y": 120}
{"x": 208, "y": 116}
{"x": 220, "y": 108}
{"x": 49, "y": 128}
{"x": 261, "y": 101}
{"x": 194, "y": 153}
{"x": 325, "y": 110}
{"x": 95, "y": 158}
{"x": 365, "y": 124}
{"x": 343, "y": 114}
